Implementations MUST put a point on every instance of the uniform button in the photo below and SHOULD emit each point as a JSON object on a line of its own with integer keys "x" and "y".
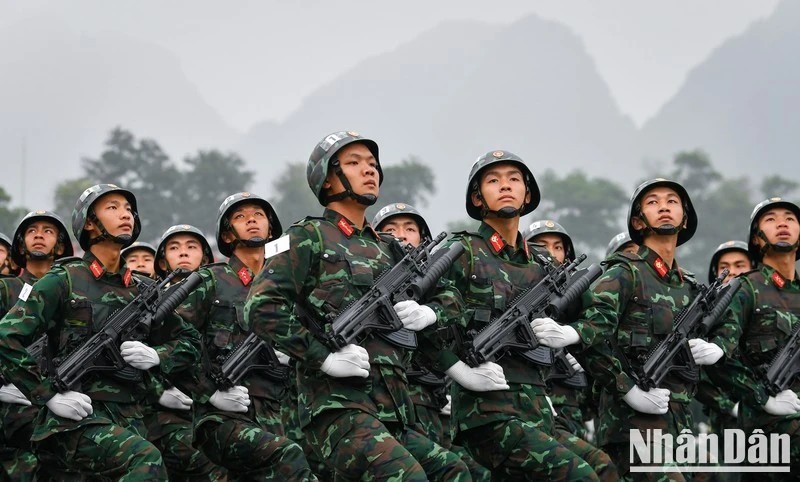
{"x": 326, "y": 256}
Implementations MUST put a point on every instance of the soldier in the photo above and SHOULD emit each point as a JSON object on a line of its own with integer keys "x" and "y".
{"x": 97, "y": 427}
{"x": 354, "y": 404}
{"x": 573, "y": 404}
{"x": 239, "y": 427}
{"x": 767, "y": 308}
{"x": 40, "y": 239}
{"x": 139, "y": 257}
{"x": 628, "y": 312}
{"x": 427, "y": 387}
{"x": 169, "y": 420}
{"x": 500, "y": 410}
{"x": 733, "y": 256}
{"x": 622, "y": 242}
{"x": 7, "y": 267}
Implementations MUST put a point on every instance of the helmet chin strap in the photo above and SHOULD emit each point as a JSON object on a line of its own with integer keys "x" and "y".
{"x": 507, "y": 212}
{"x": 122, "y": 239}
{"x": 254, "y": 242}
{"x": 664, "y": 229}
{"x": 364, "y": 199}
{"x": 779, "y": 247}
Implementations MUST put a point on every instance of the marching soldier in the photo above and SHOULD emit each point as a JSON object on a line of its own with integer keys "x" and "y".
{"x": 622, "y": 242}
{"x": 7, "y": 267}
{"x": 140, "y": 257}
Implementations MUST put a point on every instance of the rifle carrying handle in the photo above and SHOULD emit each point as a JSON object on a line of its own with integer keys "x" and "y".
{"x": 435, "y": 271}
{"x": 178, "y": 296}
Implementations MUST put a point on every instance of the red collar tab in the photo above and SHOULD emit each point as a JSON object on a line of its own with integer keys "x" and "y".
{"x": 97, "y": 269}
{"x": 660, "y": 267}
{"x": 525, "y": 247}
{"x": 778, "y": 279}
{"x": 345, "y": 227}
{"x": 127, "y": 277}
{"x": 497, "y": 242}
{"x": 244, "y": 275}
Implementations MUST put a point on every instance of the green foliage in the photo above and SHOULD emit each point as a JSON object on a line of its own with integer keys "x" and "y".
{"x": 9, "y": 217}
{"x": 410, "y": 182}
{"x": 294, "y": 199}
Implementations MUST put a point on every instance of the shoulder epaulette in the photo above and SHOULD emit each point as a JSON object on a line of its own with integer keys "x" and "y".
{"x": 214, "y": 265}
{"x": 67, "y": 260}
{"x": 306, "y": 219}
{"x": 690, "y": 277}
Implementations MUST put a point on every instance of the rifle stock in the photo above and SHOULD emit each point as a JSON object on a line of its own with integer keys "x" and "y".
{"x": 252, "y": 354}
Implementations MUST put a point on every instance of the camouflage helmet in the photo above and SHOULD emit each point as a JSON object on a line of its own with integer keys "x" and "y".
{"x": 137, "y": 246}
{"x": 84, "y": 205}
{"x": 545, "y": 226}
{"x": 402, "y": 209}
{"x": 496, "y": 157}
{"x": 324, "y": 155}
{"x": 757, "y": 253}
{"x": 223, "y": 223}
{"x": 617, "y": 242}
{"x": 689, "y": 214}
{"x": 160, "y": 252}
{"x": 19, "y": 251}
{"x": 723, "y": 248}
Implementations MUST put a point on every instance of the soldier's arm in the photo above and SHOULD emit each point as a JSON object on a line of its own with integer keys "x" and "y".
{"x": 25, "y": 323}
{"x": 597, "y": 327}
{"x": 270, "y": 309}
{"x": 4, "y": 298}
{"x": 177, "y": 343}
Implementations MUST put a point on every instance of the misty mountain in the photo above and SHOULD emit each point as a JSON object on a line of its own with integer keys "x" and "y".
{"x": 63, "y": 91}
{"x": 741, "y": 105}
{"x": 455, "y": 93}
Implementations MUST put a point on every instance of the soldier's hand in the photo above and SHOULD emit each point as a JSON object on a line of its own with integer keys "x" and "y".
{"x": 72, "y": 405}
{"x": 485, "y": 377}
{"x": 447, "y": 409}
{"x": 784, "y": 403}
{"x": 574, "y": 363}
{"x": 414, "y": 316}
{"x": 138, "y": 355}
{"x": 283, "y": 358}
{"x": 654, "y": 401}
{"x": 705, "y": 353}
{"x": 350, "y": 361}
{"x": 549, "y": 333}
{"x": 11, "y": 394}
{"x": 237, "y": 399}
{"x": 175, "y": 399}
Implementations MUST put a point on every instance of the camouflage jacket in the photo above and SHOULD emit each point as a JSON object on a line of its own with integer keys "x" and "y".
{"x": 628, "y": 311}
{"x": 330, "y": 264}
{"x": 490, "y": 275}
{"x": 70, "y": 303}
{"x": 10, "y": 289}
{"x": 767, "y": 310}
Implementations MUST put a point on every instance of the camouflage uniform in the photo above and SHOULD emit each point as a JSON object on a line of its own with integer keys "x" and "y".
{"x": 358, "y": 426}
{"x": 16, "y": 421}
{"x": 767, "y": 308}
{"x": 511, "y": 432}
{"x": 70, "y": 303}
{"x": 248, "y": 444}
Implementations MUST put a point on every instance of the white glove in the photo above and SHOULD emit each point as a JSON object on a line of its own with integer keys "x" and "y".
{"x": 414, "y": 316}
{"x": 283, "y": 358}
{"x": 447, "y": 408}
{"x": 72, "y": 405}
{"x": 575, "y": 365}
{"x": 234, "y": 400}
{"x": 784, "y": 403}
{"x": 350, "y": 361}
{"x": 11, "y": 394}
{"x": 705, "y": 353}
{"x": 175, "y": 399}
{"x": 138, "y": 355}
{"x": 735, "y": 410}
{"x": 549, "y": 333}
{"x": 654, "y": 401}
{"x": 485, "y": 377}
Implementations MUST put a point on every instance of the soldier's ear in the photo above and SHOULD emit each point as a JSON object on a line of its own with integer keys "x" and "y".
{"x": 59, "y": 249}
{"x": 637, "y": 223}
{"x": 162, "y": 263}
{"x": 476, "y": 199}
{"x": 228, "y": 236}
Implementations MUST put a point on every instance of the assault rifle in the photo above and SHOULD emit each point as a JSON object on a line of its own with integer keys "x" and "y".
{"x": 252, "y": 354}
{"x": 101, "y": 351}
{"x": 564, "y": 373}
{"x": 694, "y": 321}
{"x": 785, "y": 366}
{"x": 552, "y": 296}
{"x": 410, "y": 279}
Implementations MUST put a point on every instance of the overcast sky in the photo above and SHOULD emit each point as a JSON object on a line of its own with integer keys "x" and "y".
{"x": 256, "y": 60}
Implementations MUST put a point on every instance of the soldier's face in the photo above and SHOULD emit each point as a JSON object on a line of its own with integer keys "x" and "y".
{"x": 42, "y": 237}
{"x": 554, "y": 244}
{"x": 182, "y": 251}
{"x": 3, "y": 253}
{"x": 630, "y": 248}
{"x": 140, "y": 260}
{"x": 779, "y": 226}
{"x": 737, "y": 262}
{"x": 502, "y": 185}
{"x": 249, "y": 221}
{"x": 403, "y": 228}
{"x": 359, "y": 166}
{"x": 661, "y": 206}
{"x": 115, "y": 213}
